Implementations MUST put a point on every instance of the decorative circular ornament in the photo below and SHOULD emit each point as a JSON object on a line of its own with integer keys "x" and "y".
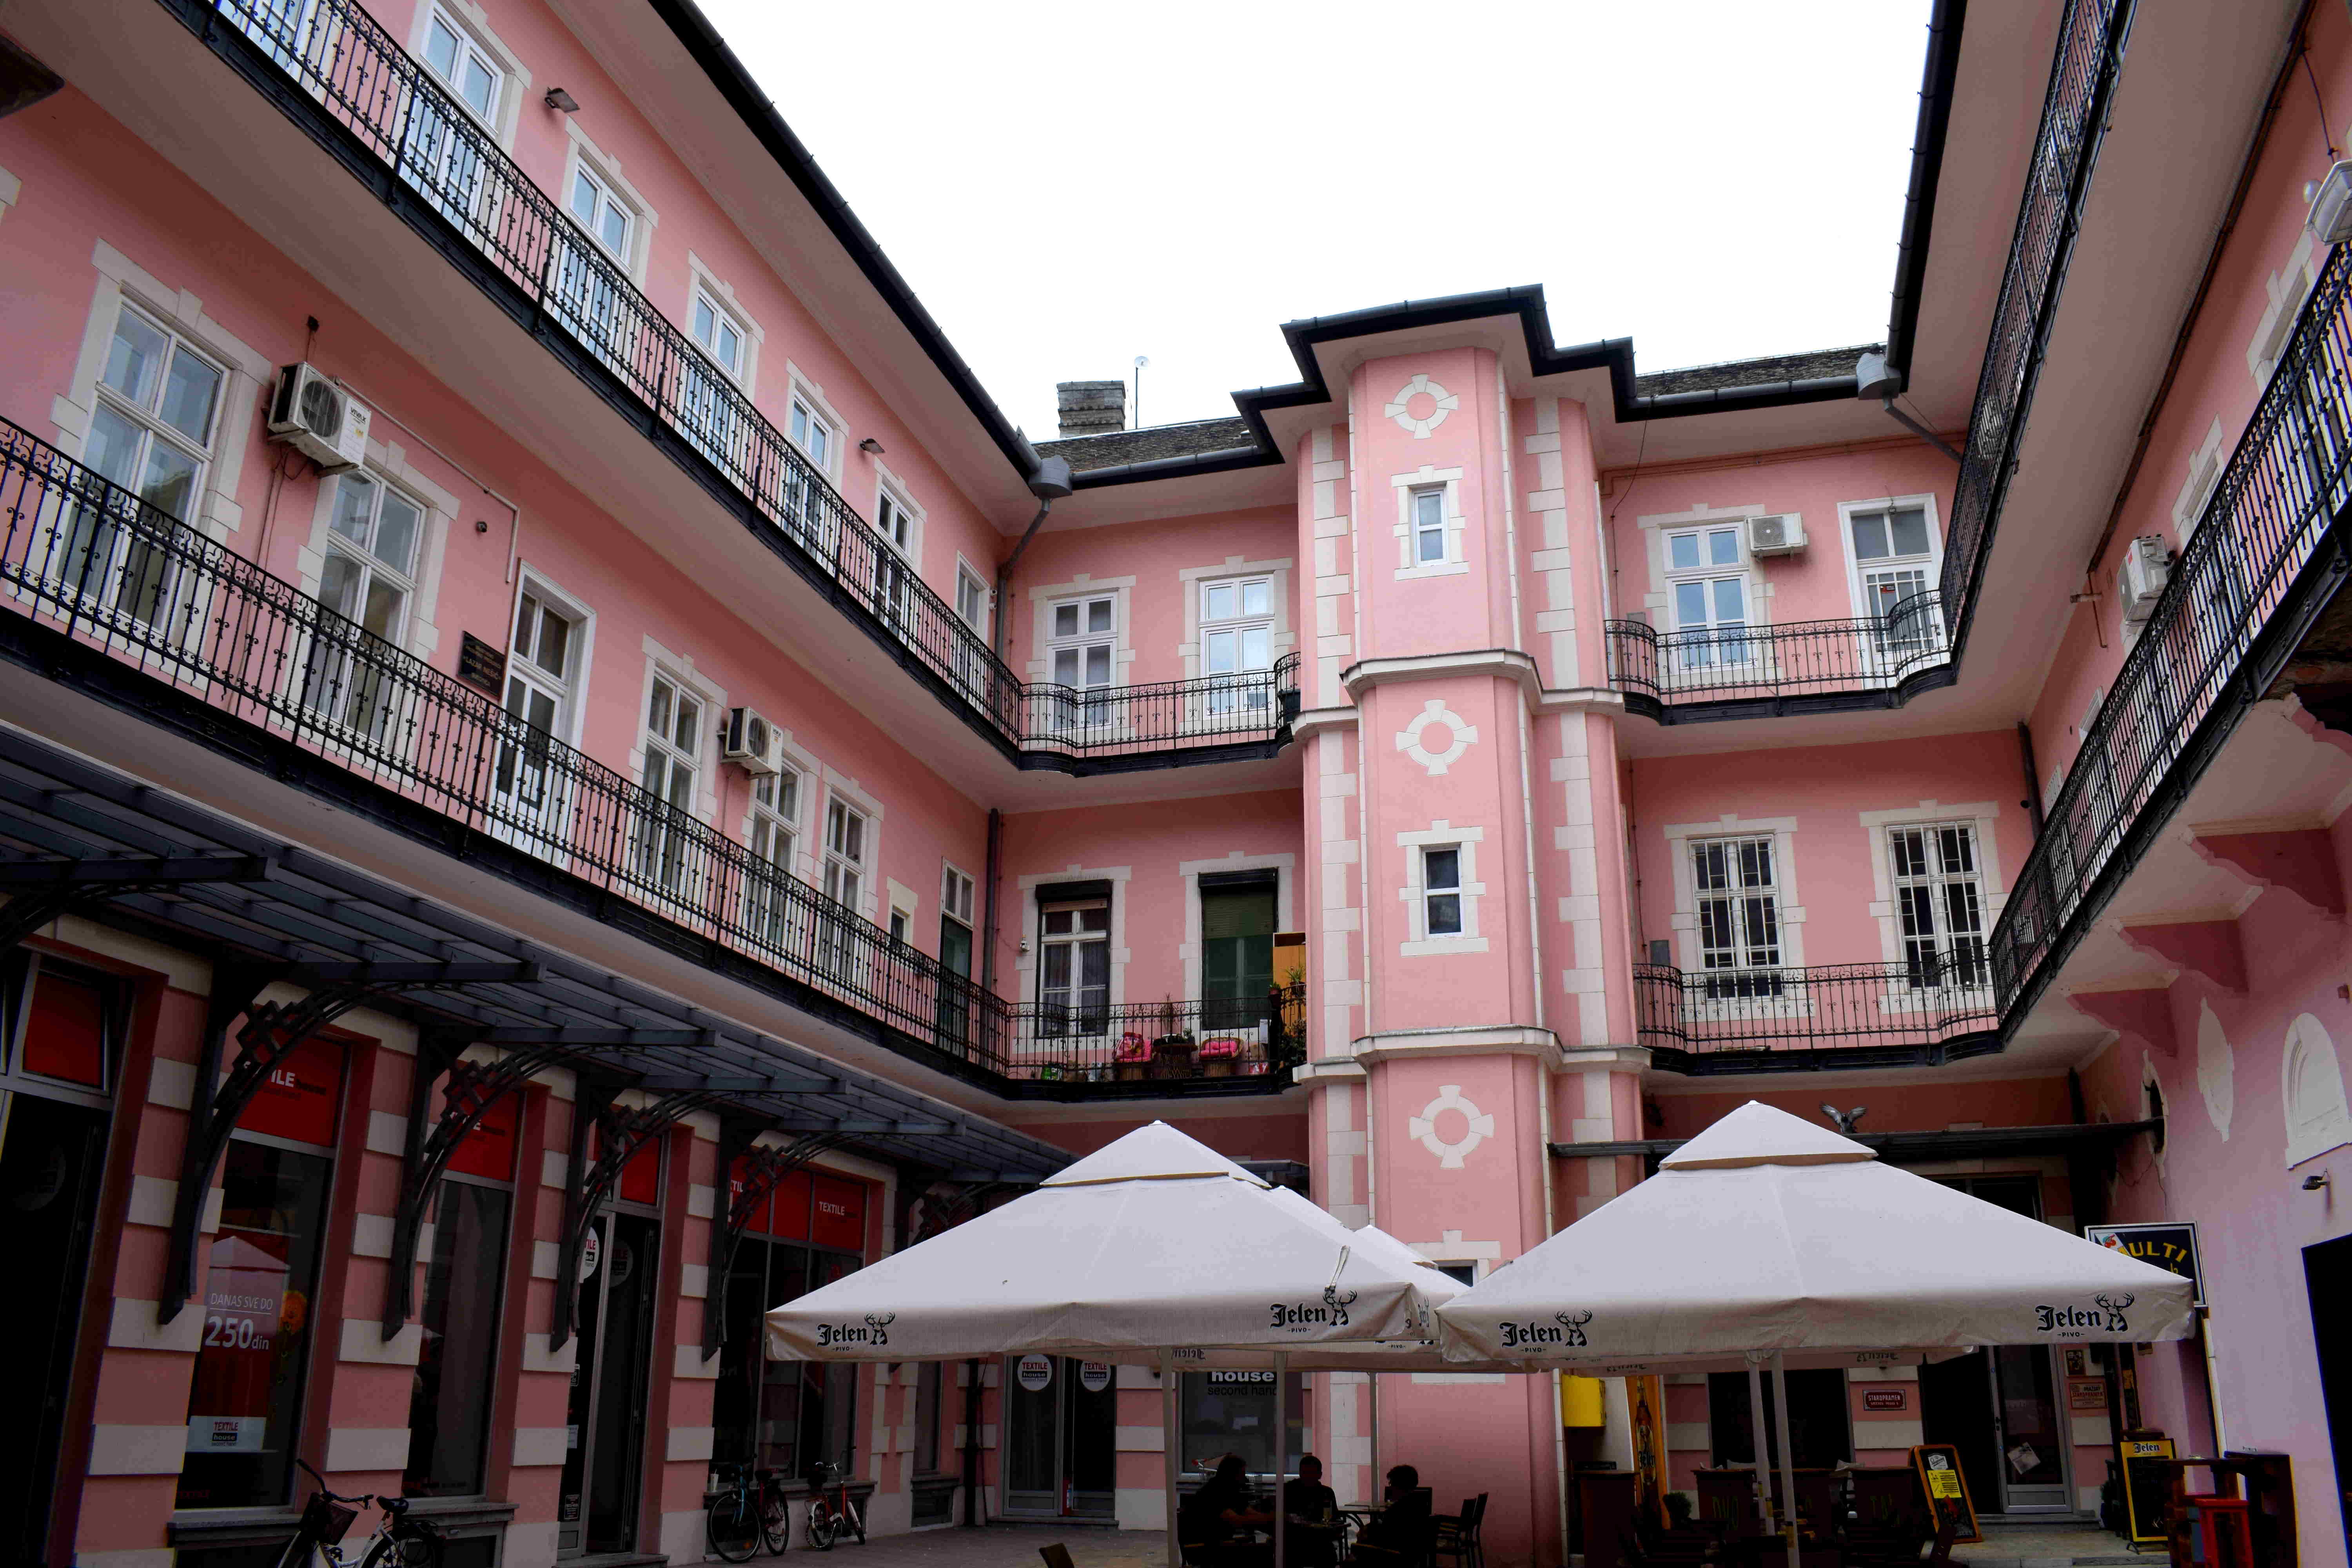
{"x": 1441, "y": 403}
{"x": 1424, "y": 1128}
{"x": 1435, "y": 713}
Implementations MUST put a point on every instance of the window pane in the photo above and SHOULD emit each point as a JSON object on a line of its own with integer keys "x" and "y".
{"x": 1095, "y": 918}
{"x": 1429, "y": 509}
{"x": 706, "y": 323}
{"x": 189, "y": 393}
{"x": 1254, "y": 647}
{"x": 449, "y": 1403}
{"x": 245, "y": 1400}
{"x": 134, "y": 358}
{"x": 1869, "y": 536}
{"x": 616, "y": 231}
{"x": 171, "y": 480}
{"x": 554, "y": 641}
{"x": 584, "y": 201}
{"x": 1257, "y": 598}
{"x": 730, "y": 345}
{"x": 1098, "y": 666}
{"x": 1065, "y": 666}
{"x": 657, "y": 707}
{"x": 1730, "y": 601}
{"x": 1094, "y": 964}
{"x": 1098, "y": 616}
{"x": 1433, "y": 544}
{"x": 354, "y": 501}
{"x": 441, "y": 50}
{"x": 384, "y": 604}
{"x": 1723, "y": 547}
{"x": 396, "y": 531}
{"x": 1442, "y": 867}
{"x": 1911, "y": 532}
{"x": 339, "y": 584}
{"x": 1690, "y": 604}
{"x": 1059, "y": 922}
{"x": 1444, "y": 914}
{"x": 113, "y": 446}
{"x": 1065, "y": 620}
{"x": 1217, "y": 652}
{"x": 1682, "y": 551}
{"x": 1217, "y": 601}
{"x": 689, "y": 733}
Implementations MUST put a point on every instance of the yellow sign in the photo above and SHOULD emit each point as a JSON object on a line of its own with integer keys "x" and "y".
{"x": 2148, "y": 1489}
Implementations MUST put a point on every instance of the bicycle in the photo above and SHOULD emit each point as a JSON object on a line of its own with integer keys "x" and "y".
{"x": 747, "y": 1513}
{"x": 828, "y": 1518}
{"x": 397, "y": 1542}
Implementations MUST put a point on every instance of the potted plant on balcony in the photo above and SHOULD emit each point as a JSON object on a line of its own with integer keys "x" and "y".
{"x": 1172, "y": 1048}
{"x": 1221, "y": 1057}
{"x": 1133, "y": 1061}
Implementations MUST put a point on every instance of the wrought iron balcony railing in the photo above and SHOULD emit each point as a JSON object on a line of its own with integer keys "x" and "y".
{"x": 91, "y": 560}
{"x": 1802, "y": 663}
{"x": 385, "y": 108}
{"x": 1936, "y": 1007}
{"x": 1241, "y": 1038}
{"x": 2259, "y": 563}
{"x": 2091, "y": 38}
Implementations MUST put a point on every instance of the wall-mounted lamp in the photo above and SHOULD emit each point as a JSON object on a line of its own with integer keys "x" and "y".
{"x": 561, "y": 101}
{"x": 480, "y": 526}
{"x": 870, "y": 446}
{"x": 2315, "y": 1182}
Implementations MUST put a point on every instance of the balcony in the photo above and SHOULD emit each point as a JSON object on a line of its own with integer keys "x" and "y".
{"x": 2267, "y": 554}
{"x": 331, "y": 67}
{"x": 1923, "y": 1012}
{"x": 1804, "y": 666}
{"x": 183, "y": 630}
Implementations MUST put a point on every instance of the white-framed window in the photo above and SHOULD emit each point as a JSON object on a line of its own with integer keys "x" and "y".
{"x": 717, "y": 328}
{"x": 972, "y": 599}
{"x": 545, "y": 657}
{"x": 957, "y": 891}
{"x": 1237, "y": 643}
{"x": 673, "y": 742}
{"x": 845, "y": 849}
{"x": 1709, "y": 595}
{"x": 155, "y": 413}
{"x": 1074, "y": 967}
{"x": 368, "y": 576}
{"x": 1429, "y": 525}
{"x": 1738, "y": 888}
{"x": 1939, "y": 903}
{"x": 596, "y": 205}
{"x": 1082, "y": 636}
{"x": 1897, "y": 558}
{"x": 708, "y": 415}
{"x": 900, "y": 524}
{"x": 447, "y": 155}
{"x": 1441, "y": 889}
{"x": 464, "y": 66}
{"x": 772, "y": 834}
{"x": 813, "y": 431}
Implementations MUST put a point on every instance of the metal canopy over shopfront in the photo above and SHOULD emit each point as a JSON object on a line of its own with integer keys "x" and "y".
{"x": 90, "y": 841}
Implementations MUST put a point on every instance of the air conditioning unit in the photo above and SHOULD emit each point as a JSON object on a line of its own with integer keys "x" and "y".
{"x": 319, "y": 419}
{"x": 2331, "y": 205}
{"x": 1776, "y": 535}
{"x": 751, "y": 740}
{"x": 2140, "y": 581}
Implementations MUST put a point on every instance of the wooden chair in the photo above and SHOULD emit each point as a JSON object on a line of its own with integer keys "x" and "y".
{"x": 1457, "y": 1535}
{"x": 1891, "y": 1521}
{"x": 1727, "y": 1504}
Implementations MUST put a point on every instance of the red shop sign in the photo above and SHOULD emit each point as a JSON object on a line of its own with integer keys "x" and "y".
{"x": 488, "y": 1151}
{"x": 789, "y": 1221}
{"x": 840, "y": 1214}
{"x": 756, "y": 1222}
{"x": 1882, "y": 1399}
{"x": 64, "y": 1037}
{"x": 299, "y": 1096}
{"x": 248, "y": 1305}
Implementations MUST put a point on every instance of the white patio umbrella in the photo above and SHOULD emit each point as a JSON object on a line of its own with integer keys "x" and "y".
{"x": 1766, "y": 1234}
{"x": 1152, "y": 1242}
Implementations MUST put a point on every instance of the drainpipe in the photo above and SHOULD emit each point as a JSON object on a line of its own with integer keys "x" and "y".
{"x": 1049, "y": 481}
{"x": 2033, "y": 801}
{"x": 971, "y": 1444}
{"x": 1873, "y": 377}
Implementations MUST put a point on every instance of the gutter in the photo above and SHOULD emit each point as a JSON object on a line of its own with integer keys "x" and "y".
{"x": 1944, "y": 24}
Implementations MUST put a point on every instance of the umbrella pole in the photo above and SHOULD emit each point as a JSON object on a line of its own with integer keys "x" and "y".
{"x": 1788, "y": 1460}
{"x": 1281, "y": 1454}
{"x": 1168, "y": 1448}
{"x": 1756, "y": 1430}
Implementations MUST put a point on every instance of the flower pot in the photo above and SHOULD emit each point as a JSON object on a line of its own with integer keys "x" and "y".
{"x": 1218, "y": 1067}
{"x": 1134, "y": 1073}
{"x": 1172, "y": 1059}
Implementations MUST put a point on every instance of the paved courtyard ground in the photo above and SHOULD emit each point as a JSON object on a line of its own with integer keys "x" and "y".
{"x": 1015, "y": 1546}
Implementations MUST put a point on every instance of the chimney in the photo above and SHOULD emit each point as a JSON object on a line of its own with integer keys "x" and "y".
{"x": 1091, "y": 407}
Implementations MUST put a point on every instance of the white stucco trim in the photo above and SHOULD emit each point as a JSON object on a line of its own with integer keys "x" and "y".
{"x": 2312, "y": 1082}
{"x": 801, "y": 818}
{"x": 679, "y": 669}
{"x": 888, "y": 482}
{"x": 1042, "y": 599}
{"x": 2287, "y": 287}
{"x": 1333, "y": 569}
{"x": 1456, "y": 562}
{"x": 1654, "y": 528}
{"x": 869, "y": 895}
{"x": 1783, "y": 830}
{"x": 1933, "y": 566}
{"x": 1024, "y": 961}
{"x": 1286, "y": 869}
{"x": 1439, "y": 834}
{"x": 529, "y": 579}
{"x": 1550, "y": 555}
{"x": 801, "y": 386}
{"x": 245, "y": 372}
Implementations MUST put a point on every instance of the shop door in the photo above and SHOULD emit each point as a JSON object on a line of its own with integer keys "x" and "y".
{"x": 1060, "y": 1450}
{"x": 1998, "y": 1406}
{"x": 2327, "y": 1273}
{"x": 604, "y": 1468}
{"x": 50, "y": 1158}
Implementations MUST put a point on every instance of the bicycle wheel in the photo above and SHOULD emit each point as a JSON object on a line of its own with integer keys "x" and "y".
{"x": 732, "y": 1528}
{"x": 409, "y": 1546}
{"x": 857, "y": 1517}
{"x": 775, "y": 1520}
{"x": 823, "y": 1525}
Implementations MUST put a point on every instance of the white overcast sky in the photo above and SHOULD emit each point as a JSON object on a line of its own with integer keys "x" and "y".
{"x": 1067, "y": 185}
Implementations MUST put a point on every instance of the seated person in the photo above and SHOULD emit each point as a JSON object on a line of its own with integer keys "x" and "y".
{"x": 1312, "y": 1511}
{"x": 1400, "y": 1534}
{"x": 1215, "y": 1524}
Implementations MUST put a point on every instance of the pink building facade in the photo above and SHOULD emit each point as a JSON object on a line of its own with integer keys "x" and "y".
{"x": 567, "y": 776}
